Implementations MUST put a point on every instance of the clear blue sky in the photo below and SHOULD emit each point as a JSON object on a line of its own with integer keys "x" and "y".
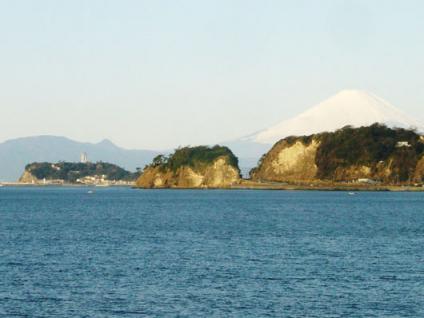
{"x": 158, "y": 74}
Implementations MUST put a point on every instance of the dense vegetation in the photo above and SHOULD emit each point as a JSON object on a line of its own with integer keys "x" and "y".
{"x": 388, "y": 155}
{"x": 368, "y": 146}
{"x": 194, "y": 157}
{"x": 70, "y": 171}
{"x": 304, "y": 139}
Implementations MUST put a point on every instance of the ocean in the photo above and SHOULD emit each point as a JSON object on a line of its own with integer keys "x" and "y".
{"x": 120, "y": 252}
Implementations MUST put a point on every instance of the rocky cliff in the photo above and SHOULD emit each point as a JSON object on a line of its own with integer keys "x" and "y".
{"x": 198, "y": 167}
{"x": 28, "y": 177}
{"x": 376, "y": 153}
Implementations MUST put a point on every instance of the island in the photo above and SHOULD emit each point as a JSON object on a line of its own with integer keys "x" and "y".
{"x": 367, "y": 158}
{"x": 77, "y": 173}
{"x": 192, "y": 167}
{"x": 374, "y": 155}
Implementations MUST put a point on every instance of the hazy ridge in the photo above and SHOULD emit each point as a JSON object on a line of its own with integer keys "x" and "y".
{"x": 17, "y": 153}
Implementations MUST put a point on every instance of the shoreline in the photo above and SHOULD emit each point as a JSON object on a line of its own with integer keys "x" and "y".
{"x": 328, "y": 186}
{"x": 249, "y": 185}
{"x": 19, "y": 184}
{"x": 321, "y": 186}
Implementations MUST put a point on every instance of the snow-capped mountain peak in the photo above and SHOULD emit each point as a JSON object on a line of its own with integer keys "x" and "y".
{"x": 348, "y": 107}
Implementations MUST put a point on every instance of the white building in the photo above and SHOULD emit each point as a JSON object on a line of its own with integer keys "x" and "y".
{"x": 84, "y": 158}
{"x": 366, "y": 180}
{"x": 401, "y": 144}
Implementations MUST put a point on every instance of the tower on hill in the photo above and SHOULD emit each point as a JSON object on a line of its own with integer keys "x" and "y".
{"x": 83, "y": 157}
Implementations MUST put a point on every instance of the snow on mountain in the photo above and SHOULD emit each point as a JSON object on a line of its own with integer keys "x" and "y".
{"x": 348, "y": 107}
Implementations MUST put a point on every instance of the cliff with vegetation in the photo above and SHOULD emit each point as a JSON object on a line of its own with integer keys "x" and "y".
{"x": 192, "y": 167}
{"x": 70, "y": 172}
{"x": 375, "y": 153}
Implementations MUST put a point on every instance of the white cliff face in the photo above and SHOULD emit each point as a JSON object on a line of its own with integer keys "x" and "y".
{"x": 289, "y": 162}
{"x": 297, "y": 159}
{"x": 349, "y": 107}
{"x": 221, "y": 174}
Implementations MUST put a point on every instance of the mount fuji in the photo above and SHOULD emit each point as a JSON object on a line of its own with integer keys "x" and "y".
{"x": 349, "y": 107}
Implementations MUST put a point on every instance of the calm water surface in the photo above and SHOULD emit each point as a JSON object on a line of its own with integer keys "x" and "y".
{"x": 134, "y": 253}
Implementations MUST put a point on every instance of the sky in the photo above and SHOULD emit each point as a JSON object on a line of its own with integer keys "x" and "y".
{"x": 163, "y": 73}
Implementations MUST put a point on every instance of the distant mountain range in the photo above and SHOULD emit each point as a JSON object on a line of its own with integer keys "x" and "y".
{"x": 349, "y": 107}
{"x": 354, "y": 108}
{"x": 16, "y": 153}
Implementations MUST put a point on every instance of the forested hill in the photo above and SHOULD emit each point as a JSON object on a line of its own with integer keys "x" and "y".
{"x": 16, "y": 153}
{"x": 70, "y": 172}
{"x": 375, "y": 152}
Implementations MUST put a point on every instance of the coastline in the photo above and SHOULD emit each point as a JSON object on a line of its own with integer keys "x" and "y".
{"x": 40, "y": 185}
{"x": 347, "y": 187}
{"x": 321, "y": 186}
{"x": 249, "y": 185}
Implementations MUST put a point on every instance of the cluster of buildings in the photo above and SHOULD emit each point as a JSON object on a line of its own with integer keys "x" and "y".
{"x": 102, "y": 181}
{"x": 98, "y": 180}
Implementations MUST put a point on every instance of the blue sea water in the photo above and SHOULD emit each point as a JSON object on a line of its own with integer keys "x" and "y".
{"x": 168, "y": 253}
